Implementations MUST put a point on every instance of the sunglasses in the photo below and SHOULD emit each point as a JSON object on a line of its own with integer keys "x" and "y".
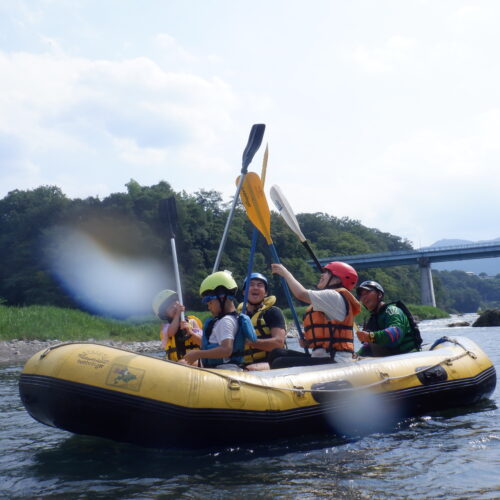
{"x": 208, "y": 298}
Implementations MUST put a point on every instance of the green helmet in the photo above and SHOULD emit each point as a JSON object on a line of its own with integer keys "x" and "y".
{"x": 221, "y": 281}
{"x": 162, "y": 302}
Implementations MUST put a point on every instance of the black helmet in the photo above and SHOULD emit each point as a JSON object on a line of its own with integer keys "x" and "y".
{"x": 370, "y": 285}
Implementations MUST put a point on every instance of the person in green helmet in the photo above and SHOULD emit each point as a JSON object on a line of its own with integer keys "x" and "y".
{"x": 218, "y": 293}
{"x": 390, "y": 328}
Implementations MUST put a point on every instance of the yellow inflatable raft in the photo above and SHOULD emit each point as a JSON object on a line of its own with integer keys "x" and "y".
{"x": 103, "y": 391}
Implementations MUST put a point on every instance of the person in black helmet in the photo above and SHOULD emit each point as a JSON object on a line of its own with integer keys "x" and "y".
{"x": 390, "y": 328}
{"x": 268, "y": 321}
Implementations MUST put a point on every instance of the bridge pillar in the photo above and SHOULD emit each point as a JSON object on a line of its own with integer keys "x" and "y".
{"x": 426, "y": 286}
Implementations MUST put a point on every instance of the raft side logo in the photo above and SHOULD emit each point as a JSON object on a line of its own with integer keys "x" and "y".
{"x": 125, "y": 377}
{"x": 93, "y": 359}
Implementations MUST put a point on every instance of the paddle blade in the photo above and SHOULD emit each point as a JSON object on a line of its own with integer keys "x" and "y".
{"x": 168, "y": 215}
{"x": 253, "y": 144}
{"x": 285, "y": 210}
{"x": 255, "y": 203}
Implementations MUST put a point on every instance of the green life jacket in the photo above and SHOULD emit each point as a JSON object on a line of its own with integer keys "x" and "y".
{"x": 412, "y": 340}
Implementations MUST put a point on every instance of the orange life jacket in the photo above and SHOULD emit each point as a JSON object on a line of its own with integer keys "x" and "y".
{"x": 332, "y": 335}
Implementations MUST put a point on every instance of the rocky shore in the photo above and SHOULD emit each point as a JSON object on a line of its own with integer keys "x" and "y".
{"x": 490, "y": 317}
{"x": 19, "y": 351}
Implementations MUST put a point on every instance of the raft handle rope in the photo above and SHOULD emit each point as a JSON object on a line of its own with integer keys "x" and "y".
{"x": 234, "y": 384}
{"x": 55, "y": 346}
{"x": 62, "y": 344}
{"x": 385, "y": 378}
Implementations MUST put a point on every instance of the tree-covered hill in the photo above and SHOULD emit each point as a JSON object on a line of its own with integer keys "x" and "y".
{"x": 129, "y": 224}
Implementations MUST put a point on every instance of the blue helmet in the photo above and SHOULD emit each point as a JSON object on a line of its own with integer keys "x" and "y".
{"x": 256, "y": 276}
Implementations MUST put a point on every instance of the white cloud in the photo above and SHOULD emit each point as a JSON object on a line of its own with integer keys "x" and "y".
{"x": 173, "y": 49}
{"x": 473, "y": 14}
{"x": 382, "y": 59}
{"x": 400, "y": 105}
{"x": 91, "y": 112}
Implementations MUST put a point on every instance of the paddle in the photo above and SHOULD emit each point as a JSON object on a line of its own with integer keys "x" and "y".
{"x": 255, "y": 234}
{"x": 255, "y": 203}
{"x": 285, "y": 210}
{"x": 168, "y": 214}
{"x": 253, "y": 144}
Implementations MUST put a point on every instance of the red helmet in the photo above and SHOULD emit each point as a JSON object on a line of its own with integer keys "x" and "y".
{"x": 347, "y": 274}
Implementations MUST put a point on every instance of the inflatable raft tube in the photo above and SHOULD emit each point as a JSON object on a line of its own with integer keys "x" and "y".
{"x": 120, "y": 395}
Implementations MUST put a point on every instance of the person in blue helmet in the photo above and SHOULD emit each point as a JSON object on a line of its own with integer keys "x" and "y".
{"x": 268, "y": 321}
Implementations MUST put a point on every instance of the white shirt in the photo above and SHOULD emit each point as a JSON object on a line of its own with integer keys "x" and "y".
{"x": 330, "y": 302}
{"x": 224, "y": 328}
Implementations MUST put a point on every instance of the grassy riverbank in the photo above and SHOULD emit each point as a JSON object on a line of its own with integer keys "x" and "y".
{"x": 51, "y": 323}
{"x": 55, "y": 323}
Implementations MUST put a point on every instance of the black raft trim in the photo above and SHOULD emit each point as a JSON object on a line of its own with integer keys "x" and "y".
{"x": 85, "y": 409}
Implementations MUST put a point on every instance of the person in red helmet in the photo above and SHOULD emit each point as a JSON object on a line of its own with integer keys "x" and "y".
{"x": 329, "y": 319}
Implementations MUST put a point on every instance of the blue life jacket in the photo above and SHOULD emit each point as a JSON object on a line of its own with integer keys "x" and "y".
{"x": 245, "y": 333}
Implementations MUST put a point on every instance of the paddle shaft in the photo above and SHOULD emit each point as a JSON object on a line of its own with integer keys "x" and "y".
{"x": 253, "y": 144}
{"x": 287, "y": 214}
{"x": 255, "y": 203}
{"x": 255, "y": 235}
{"x": 177, "y": 275}
{"x": 311, "y": 253}
{"x": 228, "y": 223}
{"x": 288, "y": 295}
{"x": 168, "y": 214}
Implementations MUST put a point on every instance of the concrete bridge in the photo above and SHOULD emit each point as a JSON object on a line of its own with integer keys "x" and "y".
{"x": 423, "y": 257}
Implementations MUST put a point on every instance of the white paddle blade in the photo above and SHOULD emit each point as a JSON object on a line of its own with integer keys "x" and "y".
{"x": 285, "y": 210}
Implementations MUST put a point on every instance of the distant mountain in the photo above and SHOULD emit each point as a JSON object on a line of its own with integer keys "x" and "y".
{"x": 489, "y": 266}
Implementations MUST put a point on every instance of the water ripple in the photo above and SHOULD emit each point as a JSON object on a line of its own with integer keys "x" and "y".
{"x": 449, "y": 455}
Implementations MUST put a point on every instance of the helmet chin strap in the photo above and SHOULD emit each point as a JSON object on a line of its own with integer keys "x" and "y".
{"x": 335, "y": 285}
{"x": 222, "y": 303}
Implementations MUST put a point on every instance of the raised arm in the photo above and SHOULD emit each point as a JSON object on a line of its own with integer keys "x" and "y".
{"x": 296, "y": 288}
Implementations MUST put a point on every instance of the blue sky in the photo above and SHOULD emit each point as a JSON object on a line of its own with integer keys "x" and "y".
{"x": 383, "y": 111}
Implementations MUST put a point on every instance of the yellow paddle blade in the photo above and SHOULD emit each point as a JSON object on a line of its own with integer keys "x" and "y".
{"x": 255, "y": 203}
{"x": 264, "y": 165}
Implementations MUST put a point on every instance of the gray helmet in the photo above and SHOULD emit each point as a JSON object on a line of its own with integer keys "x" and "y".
{"x": 162, "y": 302}
{"x": 370, "y": 285}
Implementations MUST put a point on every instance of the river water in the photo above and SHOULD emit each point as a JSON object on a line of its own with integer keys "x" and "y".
{"x": 455, "y": 454}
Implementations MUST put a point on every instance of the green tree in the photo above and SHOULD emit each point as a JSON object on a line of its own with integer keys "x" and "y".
{"x": 24, "y": 277}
